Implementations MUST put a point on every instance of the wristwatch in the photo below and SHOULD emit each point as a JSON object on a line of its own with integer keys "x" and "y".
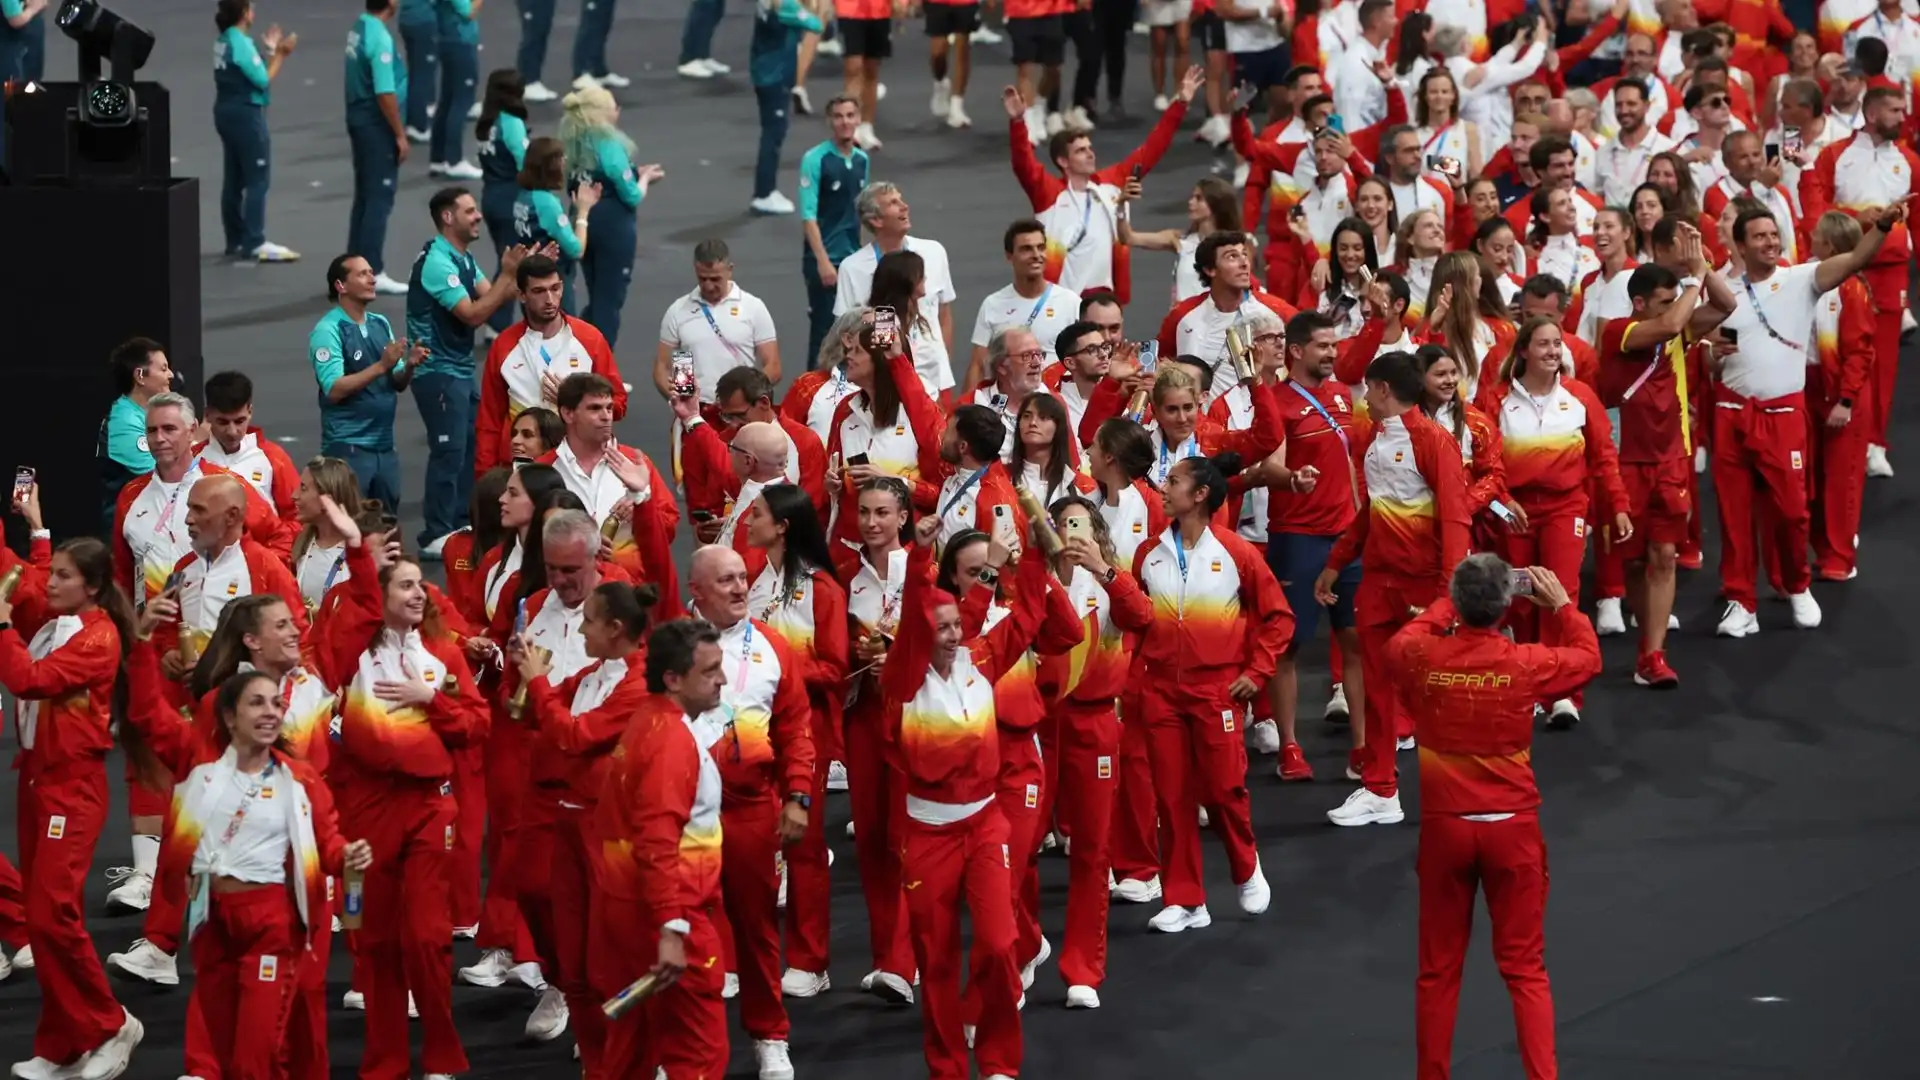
{"x": 1689, "y": 283}
{"x": 805, "y": 800}
{"x": 988, "y": 576}
{"x": 1112, "y": 572}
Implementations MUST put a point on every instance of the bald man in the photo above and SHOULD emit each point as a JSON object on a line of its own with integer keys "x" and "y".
{"x": 731, "y": 475}
{"x": 760, "y": 737}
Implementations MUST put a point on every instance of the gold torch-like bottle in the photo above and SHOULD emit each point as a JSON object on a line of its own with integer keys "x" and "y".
{"x": 1237, "y": 352}
{"x": 9, "y": 582}
{"x": 1043, "y": 533}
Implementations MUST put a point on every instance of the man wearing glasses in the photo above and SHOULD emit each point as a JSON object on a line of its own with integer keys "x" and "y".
{"x": 1016, "y": 362}
{"x": 1030, "y": 302}
{"x": 723, "y": 474}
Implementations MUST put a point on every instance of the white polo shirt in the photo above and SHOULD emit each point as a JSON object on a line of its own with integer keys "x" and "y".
{"x": 930, "y": 357}
{"x": 1766, "y": 366}
{"x": 1046, "y": 315}
{"x": 720, "y": 336}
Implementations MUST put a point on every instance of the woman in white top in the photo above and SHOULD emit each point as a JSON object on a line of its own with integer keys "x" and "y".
{"x": 1650, "y": 203}
{"x": 1421, "y": 241}
{"x": 1436, "y": 111}
{"x": 1558, "y": 250}
{"x": 1414, "y": 50}
{"x": 1338, "y": 282}
{"x": 1494, "y": 241}
{"x": 1211, "y": 207}
{"x": 1043, "y": 451}
{"x": 319, "y": 552}
{"x": 1373, "y": 204}
{"x": 1803, "y": 62}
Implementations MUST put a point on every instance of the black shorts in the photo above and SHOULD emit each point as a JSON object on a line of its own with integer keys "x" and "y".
{"x": 1212, "y": 31}
{"x": 1263, "y": 70}
{"x": 1038, "y": 41}
{"x": 946, "y": 20}
{"x": 869, "y": 39}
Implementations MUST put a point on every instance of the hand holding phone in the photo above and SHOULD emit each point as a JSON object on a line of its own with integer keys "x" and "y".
{"x": 886, "y": 327}
{"x": 1522, "y": 583}
{"x": 23, "y": 479}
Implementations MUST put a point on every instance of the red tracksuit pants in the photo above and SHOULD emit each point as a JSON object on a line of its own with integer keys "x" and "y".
{"x": 1383, "y": 604}
{"x": 536, "y": 835}
{"x": 406, "y": 939}
{"x": 470, "y": 829}
{"x": 554, "y": 885}
{"x": 809, "y": 888}
{"x": 247, "y": 972}
{"x": 942, "y": 863}
{"x": 501, "y": 926}
{"x": 1509, "y": 859}
{"x": 682, "y": 1029}
{"x": 1089, "y": 750}
{"x": 1888, "y": 288}
{"x": 1556, "y": 539}
{"x": 1759, "y": 457}
{"x": 878, "y": 794}
{"x": 749, "y": 923}
{"x": 1839, "y": 472}
{"x": 1023, "y": 799}
{"x": 61, "y": 812}
{"x": 306, "y": 1054}
{"x": 1199, "y": 755}
{"x": 1134, "y": 842}
{"x": 13, "y": 912}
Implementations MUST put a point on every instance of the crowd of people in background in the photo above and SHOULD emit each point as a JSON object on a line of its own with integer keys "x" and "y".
{"x": 1463, "y": 321}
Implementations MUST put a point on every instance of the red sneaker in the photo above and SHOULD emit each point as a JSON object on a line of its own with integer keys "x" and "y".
{"x": 1356, "y": 764}
{"x": 1690, "y": 559}
{"x": 1652, "y": 670}
{"x": 1293, "y": 763}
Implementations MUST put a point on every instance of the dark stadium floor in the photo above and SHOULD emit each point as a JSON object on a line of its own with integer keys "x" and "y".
{"x": 1736, "y": 864}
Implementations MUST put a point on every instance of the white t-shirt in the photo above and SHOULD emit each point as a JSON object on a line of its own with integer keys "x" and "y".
{"x": 1046, "y": 315}
{"x": 1254, "y": 35}
{"x": 1766, "y": 366}
{"x": 720, "y": 336}
{"x": 930, "y": 357}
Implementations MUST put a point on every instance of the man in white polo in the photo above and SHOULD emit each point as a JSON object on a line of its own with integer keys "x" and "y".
{"x": 1030, "y": 302}
{"x": 883, "y": 212}
{"x": 720, "y": 324}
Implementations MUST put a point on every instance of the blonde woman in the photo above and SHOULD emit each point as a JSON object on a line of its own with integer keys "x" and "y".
{"x": 601, "y": 154}
{"x": 320, "y": 552}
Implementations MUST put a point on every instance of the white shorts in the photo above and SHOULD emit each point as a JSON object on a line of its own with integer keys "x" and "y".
{"x": 1165, "y": 12}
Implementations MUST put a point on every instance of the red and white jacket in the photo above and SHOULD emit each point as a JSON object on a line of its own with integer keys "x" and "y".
{"x": 1206, "y": 616}
{"x": 510, "y": 381}
{"x": 150, "y": 528}
{"x": 580, "y": 719}
{"x": 1713, "y": 203}
{"x": 1555, "y": 446}
{"x": 814, "y": 398}
{"x": 266, "y": 467}
{"x": 910, "y": 449}
{"x": 64, "y": 679}
{"x": 1843, "y": 326}
{"x": 1198, "y": 327}
{"x": 706, "y": 466}
{"x": 206, "y": 588}
{"x": 642, "y": 541}
{"x": 1856, "y": 176}
{"x": 1416, "y": 524}
{"x": 761, "y": 734}
{"x": 658, "y": 822}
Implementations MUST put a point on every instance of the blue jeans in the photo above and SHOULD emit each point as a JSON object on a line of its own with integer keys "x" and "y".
{"x": 774, "y": 102}
{"x": 607, "y": 267}
{"x": 23, "y": 52}
{"x": 590, "y": 41}
{"x": 820, "y": 298}
{"x": 376, "y": 169}
{"x": 447, "y": 407}
{"x": 423, "y": 69}
{"x": 536, "y": 22}
{"x": 245, "y": 153}
{"x": 459, "y": 67}
{"x": 703, "y": 18}
{"x": 377, "y": 470}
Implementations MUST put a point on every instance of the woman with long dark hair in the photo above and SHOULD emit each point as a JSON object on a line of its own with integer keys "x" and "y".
{"x": 1211, "y": 207}
{"x": 1474, "y": 433}
{"x": 1436, "y": 112}
{"x": 1212, "y": 620}
{"x": 1343, "y": 298}
{"x": 536, "y": 432}
{"x": 796, "y": 595}
{"x": 900, "y": 282}
{"x": 1650, "y": 203}
{"x": 525, "y": 489}
{"x": 1373, "y": 205}
{"x": 1505, "y": 260}
{"x": 502, "y": 135}
{"x": 63, "y": 657}
{"x": 471, "y": 542}
{"x": 241, "y": 84}
{"x": 890, "y": 427}
{"x": 1043, "y": 463}
{"x": 540, "y": 218}
{"x": 1558, "y": 249}
{"x": 1466, "y": 315}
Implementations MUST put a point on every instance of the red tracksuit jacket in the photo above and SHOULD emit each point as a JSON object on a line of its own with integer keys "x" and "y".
{"x": 1204, "y": 624}
{"x": 70, "y": 692}
{"x": 500, "y": 402}
{"x": 1414, "y": 489}
{"x": 1554, "y": 448}
{"x": 659, "y": 816}
{"x": 706, "y": 467}
{"x": 582, "y": 719}
{"x": 272, "y": 469}
{"x": 1846, "y": 348}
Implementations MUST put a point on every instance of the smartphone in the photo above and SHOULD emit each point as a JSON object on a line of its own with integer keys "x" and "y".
{"x": 1149, "y": 355}
{"x": 23, "y": 478}
{"x": 1732, "y": 336}
{"x": 1336, "y": 125}
{"x": 171, "y": 589}
{"x": 997, "y": 401}
{"x": 1079, "y": 526}
{"x": 520, "y": 619}
{"x": 1003, "y": 512}
{"x": 1298, "y": 212}
{"x": 1790, "y": 141}
{"x": 701, "y": 515}
{"x": 1500, "y": 511}
{"x": 1138, "y": 171}
{"x": 1522, "y": 583}
{"x": 886, "y": 327}
{"x": 1448, "y": 167}
{"x": 856, "y": 459}
{"x": 683, "y": 382}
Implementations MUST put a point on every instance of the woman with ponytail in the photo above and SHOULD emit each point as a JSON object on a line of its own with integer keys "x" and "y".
{"x": 1474, "y": 434}
{"x": 600, "y": 154}
{"x": 1212, "y": 619}
{"x": 888, "y": 427}
{"x": 1465, "y": 314}
{"x": 65, "y": 664}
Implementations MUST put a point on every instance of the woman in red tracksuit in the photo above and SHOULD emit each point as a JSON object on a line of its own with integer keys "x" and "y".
{"x": 583, "y": 718}
{"x": 1475, "y": 436}
{"x": 408, "y": 704}
{"x": 1556, "y": 444}
{"x": 1089, "y": 680}
{"x": 1843, "y": 327}
{"x": 889, "y": 428}
{"x": 81, "y": 627}
{"x": 1213, "y": 619}
{"x": 941, "y": 734}
{"x": 794, "y": 592}
{"x": 1181, "y": 429}
{"x": 1019, "y": 706}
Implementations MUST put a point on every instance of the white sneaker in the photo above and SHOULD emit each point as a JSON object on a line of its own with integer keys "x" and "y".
{"x": 490, "y": 971}
{"x": 1363, "y": 807}
{"x": 109, "y": 1059}
{"x": 802, "y": 103}
{"x": 1214, "y": 130}
{"x": 1082, "y": 997}
{"x": 942, "y": 98}
{"x": 1737, "y": 622}
{"x": 771, "y": 1054}
{"x": 1055, "y": 123}
{"x": 42, "y": 1069}
{"x": 1205, "y": 818}
{"x": 275, "y": 253}
{"x": 888, "y": 986}
{"x": 1405, "y": 744}
{"x": 1806, "y": 610}
{"x": 804, "y": 984}
{"x": 730, "y": 988}
{"x": 837, "y": 781}
{"x": 1078, "y": 120}
{"x": 144, "y": 961}
{"x": 549, "y": 1017}
{"x": 957, "y": 117}
{"x": 772, "y": 203}
{"x": 849, "y": 830}
{"x": 1033, "y": 965}
{"x": 1266, "y": 737}
{"x": 1877, "y": 463}
{"x": 588, "y": 82}
{"x": 780, "y": 898}
{"x": 387, "y": 286}
{"x": 354, "y": 1000}
{"x": 1607, "y": 619}
{"x": 537, "y": 92}
{"x": 864, "y": 138}
{"x": 985, "y": 36}
{"x": 135, "y": 891}
{"x": 1135, "y": 891}
{"x": 1255, "y": 894}
{"x": 420, "y": 135}
{"x": 6, "y": 967}
{"x": 1161, "y": 103}
{"x": 463, "y": 170}
{"x": 620, "y": 82}
{"x": 830, "y": 47}
{"x": 413, "y": 1007}
{"x": 1336, "y": 712}
{"x": 713, "y": 65}
{"x": 694, "y": 69}
{"x": 528, "y": 975}
{"x": 23, "y": 960}
{"x": 1565, "y": 714}
{"x": 1173, "y": 918}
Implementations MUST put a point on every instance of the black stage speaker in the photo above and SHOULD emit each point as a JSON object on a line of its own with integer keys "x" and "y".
{"x": 91, "y": 266}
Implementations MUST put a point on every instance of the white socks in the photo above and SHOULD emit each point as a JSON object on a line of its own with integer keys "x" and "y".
{"x": 146, "y": 854}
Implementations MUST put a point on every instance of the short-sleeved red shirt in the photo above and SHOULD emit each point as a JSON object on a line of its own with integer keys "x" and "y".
{"x": 1644, "y": 385}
